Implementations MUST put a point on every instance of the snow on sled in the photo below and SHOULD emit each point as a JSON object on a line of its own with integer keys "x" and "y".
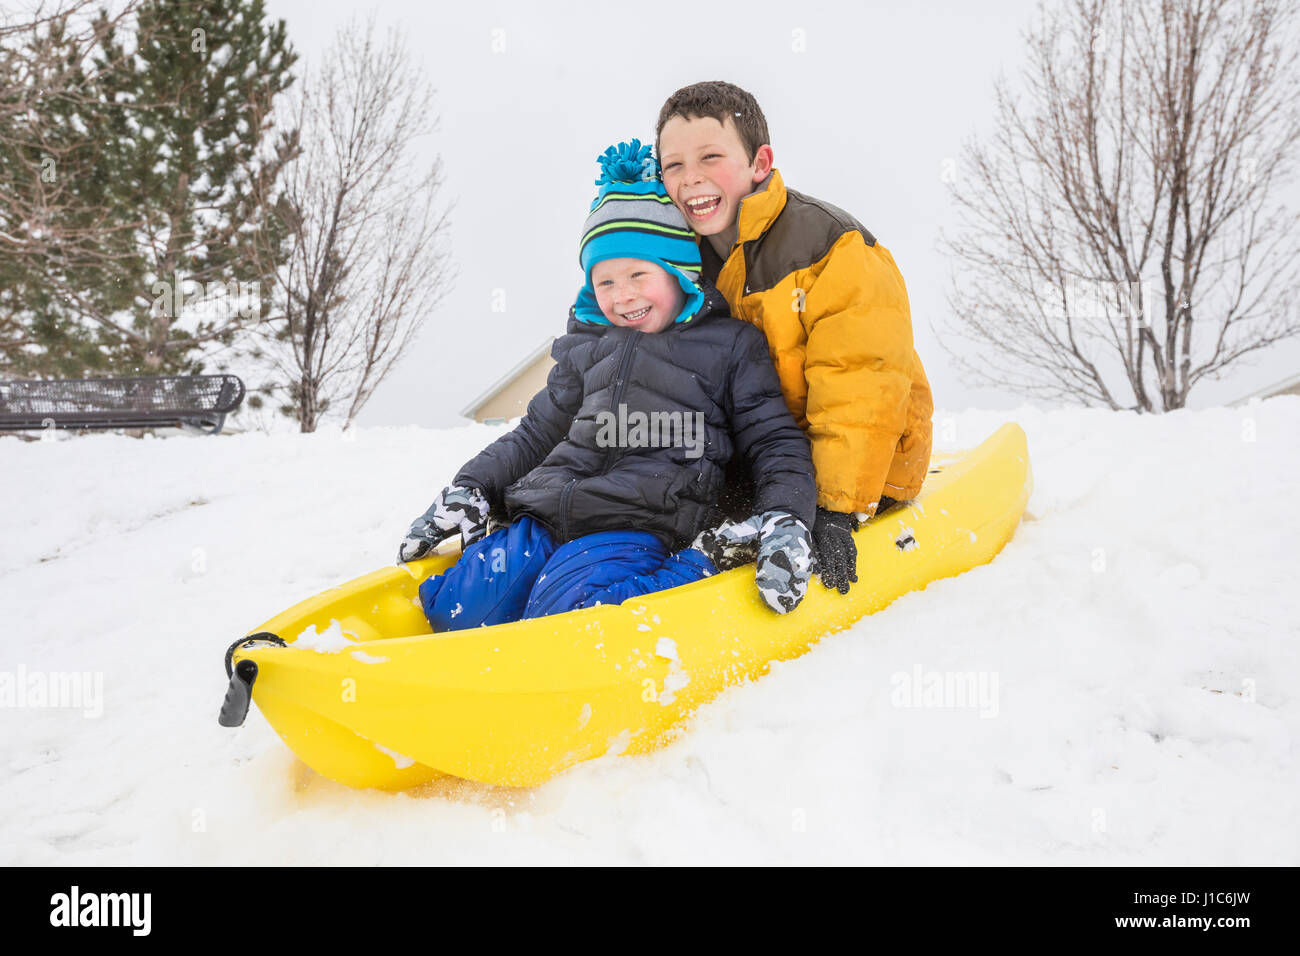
{"x": 356, "y": 684}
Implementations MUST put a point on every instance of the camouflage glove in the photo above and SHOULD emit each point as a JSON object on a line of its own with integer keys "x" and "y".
{"x": 835, "y": 550}
{"x": 785, "y": 558}
{"x": 778, "y": 541}
{"x": 731, "y": 543}
{"x": 455, "y": 509}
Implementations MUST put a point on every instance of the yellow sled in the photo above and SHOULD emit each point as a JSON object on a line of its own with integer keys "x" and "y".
{"x": 516, "y": 704}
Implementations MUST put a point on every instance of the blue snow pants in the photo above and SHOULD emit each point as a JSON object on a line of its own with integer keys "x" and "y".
{"x": 519, "y": 572}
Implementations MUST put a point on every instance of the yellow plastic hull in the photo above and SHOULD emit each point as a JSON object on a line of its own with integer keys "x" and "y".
{"x": 518, "y": 703}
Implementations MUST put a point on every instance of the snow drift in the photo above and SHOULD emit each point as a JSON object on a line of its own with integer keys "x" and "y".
{"x": 1117, "y": 687}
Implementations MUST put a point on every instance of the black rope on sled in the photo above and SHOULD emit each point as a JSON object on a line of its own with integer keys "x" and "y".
{"x": 266, "y": 636}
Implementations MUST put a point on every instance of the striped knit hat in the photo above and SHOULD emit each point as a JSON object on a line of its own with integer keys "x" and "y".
{"x": 632, "y": 217}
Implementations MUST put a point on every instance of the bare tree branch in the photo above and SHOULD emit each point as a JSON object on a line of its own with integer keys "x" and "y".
{"x": 366, "y": 262}
{"x": 1119, "y": 238}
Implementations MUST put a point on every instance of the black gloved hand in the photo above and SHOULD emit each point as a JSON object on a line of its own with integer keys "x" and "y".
{"x": 834, "y": 549}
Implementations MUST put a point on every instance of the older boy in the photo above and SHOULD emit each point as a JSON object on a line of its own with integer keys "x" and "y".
{"x": 829, "y": 299}
{"x": 597, "y": 498}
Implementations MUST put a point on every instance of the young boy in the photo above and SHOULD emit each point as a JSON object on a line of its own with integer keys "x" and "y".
{"x": 829, "y": 299}
{"x": 619, "y": 461}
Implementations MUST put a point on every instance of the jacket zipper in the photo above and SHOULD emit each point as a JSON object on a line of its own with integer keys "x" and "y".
{"x": 564, "y": 508}
{"x": 567, "y": 493}
{"x": 619, "y": 383}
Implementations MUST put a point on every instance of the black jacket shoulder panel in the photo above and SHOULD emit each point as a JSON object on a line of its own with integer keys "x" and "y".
{"x": 801, "y": 235}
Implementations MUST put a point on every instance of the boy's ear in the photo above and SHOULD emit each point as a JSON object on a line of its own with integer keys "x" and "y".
{"x": 762, "y": 162}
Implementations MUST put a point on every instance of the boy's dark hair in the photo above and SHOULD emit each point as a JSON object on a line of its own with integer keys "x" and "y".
{"x": 718, "y": 100}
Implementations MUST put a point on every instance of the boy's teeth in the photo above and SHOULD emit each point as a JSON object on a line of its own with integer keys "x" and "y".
{"x": 637, "y": 314}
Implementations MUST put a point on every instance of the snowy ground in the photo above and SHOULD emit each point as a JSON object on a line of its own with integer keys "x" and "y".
{"x": 1142, "y": 628}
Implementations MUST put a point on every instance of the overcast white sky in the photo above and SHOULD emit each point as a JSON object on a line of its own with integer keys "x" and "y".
{"x": 865, "y": 119}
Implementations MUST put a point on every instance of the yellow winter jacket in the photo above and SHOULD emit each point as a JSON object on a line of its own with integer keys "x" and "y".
{"x": 833, "y": 306}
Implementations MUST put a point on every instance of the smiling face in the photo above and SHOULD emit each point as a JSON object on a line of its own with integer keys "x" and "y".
{"x": 636, "y": 294}
{"x": 707, "y": 170}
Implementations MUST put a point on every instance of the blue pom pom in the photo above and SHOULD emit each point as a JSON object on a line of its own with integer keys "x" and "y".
{"x": 627, "y": 163}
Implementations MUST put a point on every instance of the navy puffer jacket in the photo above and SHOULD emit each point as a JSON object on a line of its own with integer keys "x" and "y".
{"x": 579, "y": 465}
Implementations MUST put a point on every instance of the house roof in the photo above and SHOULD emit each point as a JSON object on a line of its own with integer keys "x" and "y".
{"x": 543, "y": 349}
{"x": 1269, "y": 390}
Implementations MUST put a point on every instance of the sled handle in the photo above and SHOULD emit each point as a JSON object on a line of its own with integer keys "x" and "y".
{"x": 265, "y": 636}
{"x": 239, "y": 693}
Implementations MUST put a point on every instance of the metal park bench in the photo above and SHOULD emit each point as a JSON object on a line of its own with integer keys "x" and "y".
{"x": 195, "y": 401}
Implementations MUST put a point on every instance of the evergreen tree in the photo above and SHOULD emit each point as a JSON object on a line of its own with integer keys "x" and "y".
{"x": 166, "y": 167}
{"x": 58, "y": 230}
{"x": 195, "y": 161}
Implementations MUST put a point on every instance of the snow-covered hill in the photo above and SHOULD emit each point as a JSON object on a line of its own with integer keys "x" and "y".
{"x": 1137, "y": 643}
